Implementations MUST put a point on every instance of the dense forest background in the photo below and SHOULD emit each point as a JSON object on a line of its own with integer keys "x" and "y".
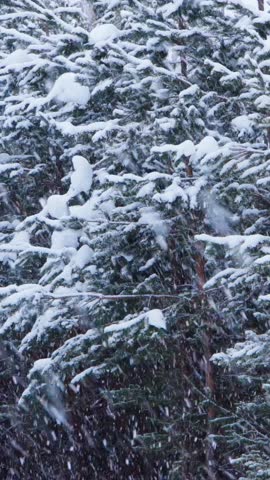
{"x": 134, "y": 240}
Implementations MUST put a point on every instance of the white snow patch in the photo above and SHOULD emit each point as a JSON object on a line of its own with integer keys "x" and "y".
{"x": 241, "y": 242}
{"x": 147, "y": 265}
{"x": 87, "y": 211}
{"x": 184, "y": 149}
{"x": 193, "y": 192}
{"x": 101, "y": 86}
{"x": 81, "y": 178}
{"x": 170, "y": 7}
{"x": 263, "y": 101}
{"x": 263, "y": 260}
{"x": 251, "y": 5}
{"x": 21, "y": 238}
{"x": 117, "y": 327}
{"x": 104, "y": 33}
{"x": 18, "y": 57}
{"x": 40, "y": 365}
{"x": 189, "y": 91}
{"x": 206, "y": 146}
{"x": 57, "y": 206}
{"x": 242, "y": 123}
{"x": 146, "y": 190}
{"x": 97, "y": 370}
{"x": 83, "y": 256}
{"x": 67, "y": 89}
{"x": 4, "y": 158}
{"x": 265, "y": 298}
{"x": 156, "y": 319}
{"x": 171, "y": 193}
{"x": 64, "y": 239}
{"x": 101, "y": 128}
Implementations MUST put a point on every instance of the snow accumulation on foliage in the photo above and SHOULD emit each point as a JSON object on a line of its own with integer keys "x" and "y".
{"x": 134, "y": 239}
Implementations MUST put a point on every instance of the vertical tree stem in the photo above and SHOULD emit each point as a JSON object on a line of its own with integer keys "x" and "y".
{"x": 208, "y": 367}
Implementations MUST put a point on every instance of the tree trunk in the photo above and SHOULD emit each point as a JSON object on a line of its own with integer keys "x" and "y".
{"x": 207, "y": 365}
{"x": 261, "y": 5}
{"x": 206, "y": 341}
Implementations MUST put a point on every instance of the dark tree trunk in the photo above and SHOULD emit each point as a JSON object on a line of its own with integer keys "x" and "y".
{"x": 210, "y": 386}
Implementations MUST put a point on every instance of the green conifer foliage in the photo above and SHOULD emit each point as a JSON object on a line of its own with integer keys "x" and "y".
{"x": 240, "y": 262}
{"x": 117, "y": 126}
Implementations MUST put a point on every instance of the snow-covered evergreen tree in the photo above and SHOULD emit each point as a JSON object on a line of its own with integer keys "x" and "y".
{"x": 241, "y": 262}
{"x": 115, "y": 126}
